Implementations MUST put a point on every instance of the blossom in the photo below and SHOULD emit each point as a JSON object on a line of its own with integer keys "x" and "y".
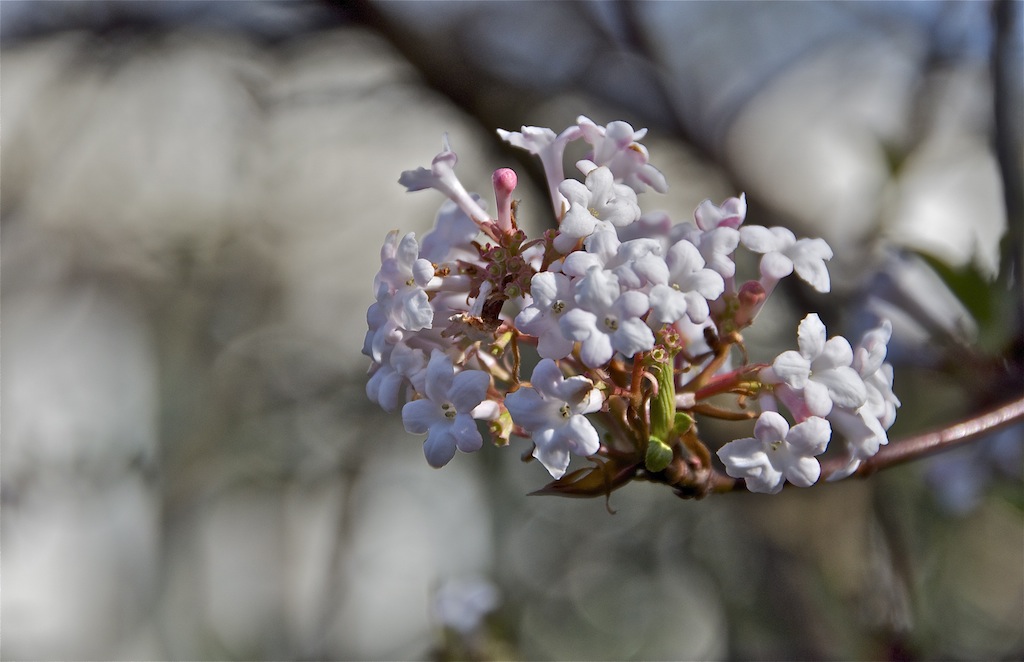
{"x": 550, "y": 148}
{"x": 688, "y": 287}
{"x": 402, "y": 303}
{"x": 553, "y": 410}
{"x": 634, "y": 262}
{"x": 552, "y": 295}
{"x": 441, "y": 176}
{"x": 864, "y": 428}
{"x": 615, "y": 146}
{"x": 777, "y": 453}
{"x": 783, "y": 254}
{"x": 600, "y": 201}
{"x": 819, "y": 374}
{"x": 446, "y": 413}
{"x": 605, "y": 321}
{"x": 453, "y": 231}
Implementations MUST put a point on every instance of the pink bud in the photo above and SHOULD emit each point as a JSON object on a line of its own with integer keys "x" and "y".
{"x": 752, "y": 296}
{"x": 504, "y": 181}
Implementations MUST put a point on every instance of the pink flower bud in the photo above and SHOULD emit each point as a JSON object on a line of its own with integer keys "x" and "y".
{"x": 504, "y": 181}
{"x": 752, "y": 296}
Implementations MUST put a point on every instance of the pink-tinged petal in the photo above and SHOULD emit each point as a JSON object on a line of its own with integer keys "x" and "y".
{"x": 547, "y": 378}
{"x": 575, "y": 192}
{"x": 759, "y": 239}
{"x": 419, "y": 415}
{"x": 683, "y": 257}
{"x": 633, "y": 336}
{"x": 390, "y": 391}
{"x": 804, "y": 472}
{"x": 811, "y": 336}
{"x": 816, "y": 395}
{"x": 467, "y": 436}
{"x": 811, "y": 267}
{"x": 469, "y": 388}
{"x": 632, "y": 304}
{"x": 488, "y": 410}
{"x": 845, "y": 387}
{"x": 544, "y": 288}
{"x": 554, "y": 457}
{"x": 440, "y": 374}
{"x": 581, "y": 396}
{"x": 552, "y": 345}
{"x": 810, "y": 437}
{"x": 580, "y": 435}
{"x": 578, "y": 263}
{"x": 439, "y": 448}
{"x": 408, "y": 250}
{"x": 696, "y": 307}
{"x": 528, "y": 408}
{"x": 578, "y": 324}
{"x": 667, "y": 303}
{"x": 598, "y": 290}
{"x": 651, "y": 269}
{"x": 792, "y": 368}
{"x": 836, "y": 352}
{"x": 596, "y": 350}
{"x": 775, "y": 266}
{"x": 771, "y": 427}
{"x": 422, "y": 272}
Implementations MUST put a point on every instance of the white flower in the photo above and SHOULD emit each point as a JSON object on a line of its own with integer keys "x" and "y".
{"x": 598, "y": 202}
{"x": 783, "y": 254}
{"x": 402, "y": 304}
{"x": 634, "y": 262}
{"x": 777, "y": 453}
{"x": 453, "y": 231}
{"x": 864, "y": 429}
{"x": 552, "y": 409}
{"x": 820, "y": 373}
{"x": 688, "y": 287}
{"x": 616, "y": 147}
{"x": 550, "y": 148}
{"x": 403, "y": 366}
{"x": 605, "y": 320}
{"x": 446, "y": 414}
{"x": 441, "y": 176}
{"x": 552, "y": 296}
{"x": 731, "y": 214}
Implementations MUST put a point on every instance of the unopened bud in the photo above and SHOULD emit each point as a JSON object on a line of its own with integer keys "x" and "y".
{"x": 504, "y": 181}
{"x": 751, "y": 296}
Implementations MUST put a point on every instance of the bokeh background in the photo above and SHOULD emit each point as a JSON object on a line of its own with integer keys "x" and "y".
{"x": 194, "y": 196}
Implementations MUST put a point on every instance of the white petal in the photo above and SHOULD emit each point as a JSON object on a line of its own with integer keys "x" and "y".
{"x": 467, "y": 436}
{"x": 792, "y": 368}
{"x": 469, "y": 388}
{"x": 811, "y": 336}
{"x": 439, "y": 448}
{"x": 419, "y": 415}
{"x": 771, "y": 427}
{"x": 810, "y": 437}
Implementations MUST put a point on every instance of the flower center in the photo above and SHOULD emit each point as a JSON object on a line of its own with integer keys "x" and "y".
{"x": 775, "y": 445}
{"x": 564, "y": 411}
{"x": 611, "y": 323}
{"x": 449, "y": 410}
{"x": 557, "y": 307}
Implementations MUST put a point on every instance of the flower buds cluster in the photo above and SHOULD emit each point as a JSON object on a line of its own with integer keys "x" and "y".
{"x": 629, "y": 321}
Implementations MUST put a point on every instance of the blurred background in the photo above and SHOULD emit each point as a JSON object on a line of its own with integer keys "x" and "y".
{"x": 194, "y": 197}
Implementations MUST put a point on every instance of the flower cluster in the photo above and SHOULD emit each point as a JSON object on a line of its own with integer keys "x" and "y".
{"x": 631, "y": 320}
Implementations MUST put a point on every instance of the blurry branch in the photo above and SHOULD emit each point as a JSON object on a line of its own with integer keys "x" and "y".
{"x": 912, "y": 448}
{"x": 928, "y": 443}
{"x": 1008, "y": 145}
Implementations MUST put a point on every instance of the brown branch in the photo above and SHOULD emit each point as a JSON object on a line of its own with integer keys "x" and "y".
{"x": 928, "y": 443}
{"x": 911, "y": 448}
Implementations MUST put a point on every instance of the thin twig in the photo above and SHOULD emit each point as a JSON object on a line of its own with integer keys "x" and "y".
{"x": 916, "y": 447}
